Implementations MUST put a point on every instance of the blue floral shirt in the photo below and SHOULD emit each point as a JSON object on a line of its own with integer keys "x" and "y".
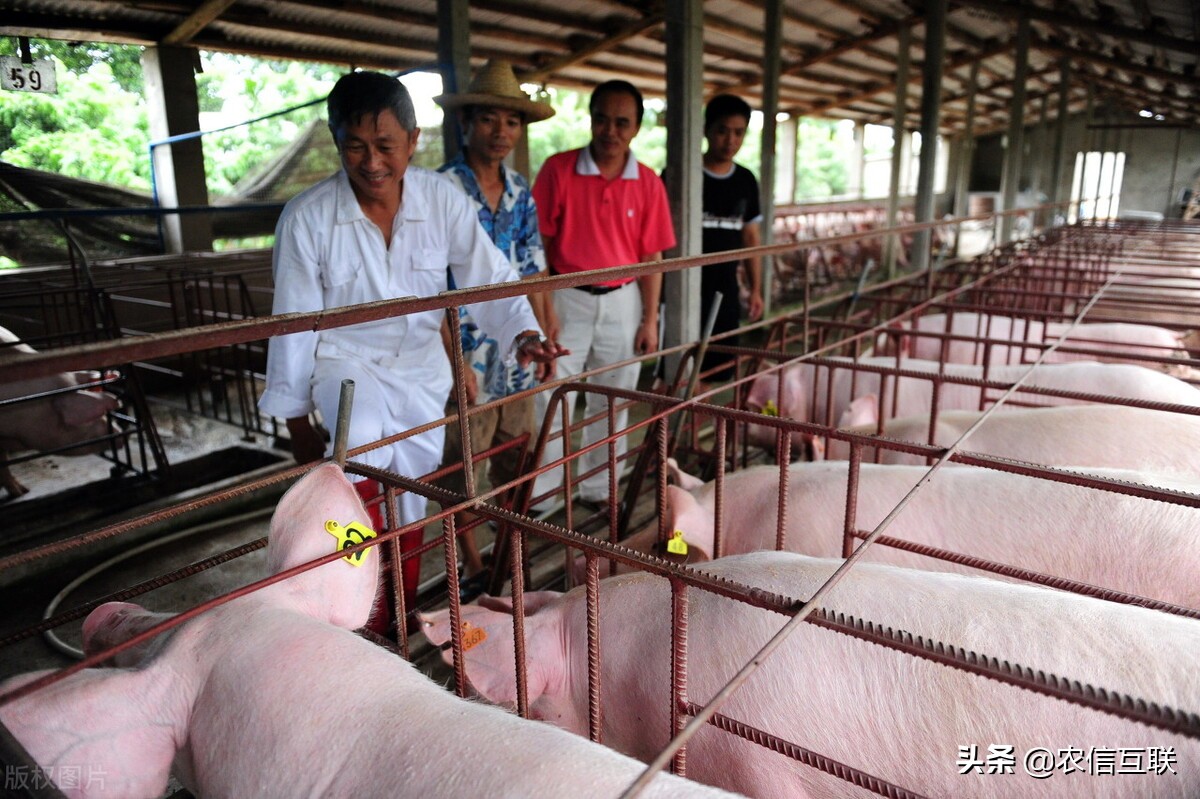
{"x": 514, "y": 230}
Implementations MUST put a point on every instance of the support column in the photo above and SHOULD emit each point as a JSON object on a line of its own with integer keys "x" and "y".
{"x": 858, "y": 162}
{"x": 1011, "y": 176}
{"x": 789, "y": 138}
{"x": 1089, "y": 137}
{"x": 685, "y": 177}
{"x": 772, "y": 63}
{"x": 903, "y": 45}
{"x": 1040, "y": 152}
{"x": 931, "y": 108}
{"x": 1060, "y": 132}
{"x": 1172, "y": 208}
{"x": 454, "y": 58}
{"x": 966, "y": 152}
{"x": 1103, "y": 153}
{"x": 179, "y": 178}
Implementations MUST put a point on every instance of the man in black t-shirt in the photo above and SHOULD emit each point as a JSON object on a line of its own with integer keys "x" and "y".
{"x": 731, "y": 222}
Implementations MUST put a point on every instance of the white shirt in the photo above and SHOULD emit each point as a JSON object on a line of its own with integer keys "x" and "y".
{"x": 328, "y": 254}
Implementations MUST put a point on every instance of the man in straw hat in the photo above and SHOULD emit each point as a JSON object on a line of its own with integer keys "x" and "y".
{"x": 493, "y": 113}
{"x": 379, "y": 229}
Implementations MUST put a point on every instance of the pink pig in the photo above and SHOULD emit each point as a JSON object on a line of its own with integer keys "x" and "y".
{"x": 1111, "y": 540}
{"x": 51, "y": 422}
{"x": 902, "y": 719}
{"x": 270, "y": 695}
{"x": 1071, "y": 435}
{"x": 1112, "y": 342}
{"x": 913, "y": 396}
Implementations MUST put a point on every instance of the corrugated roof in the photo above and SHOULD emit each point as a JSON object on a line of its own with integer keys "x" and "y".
{"x": 839, "y": 56}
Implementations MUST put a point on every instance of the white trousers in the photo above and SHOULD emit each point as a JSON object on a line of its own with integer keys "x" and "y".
{"x": 388, "y": 400}
{"x": 598, "y": 330}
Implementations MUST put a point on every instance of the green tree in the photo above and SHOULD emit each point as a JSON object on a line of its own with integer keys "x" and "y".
{"x": 237, "y": 89}
{"x": 822, "y": 158}
{"x": 124, "y": 61}
{"x": 91, "y": 129}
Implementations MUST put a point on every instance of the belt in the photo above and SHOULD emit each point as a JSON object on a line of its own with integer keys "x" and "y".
{"x": 594, "y": 290}
{"x": 598, "y": 290}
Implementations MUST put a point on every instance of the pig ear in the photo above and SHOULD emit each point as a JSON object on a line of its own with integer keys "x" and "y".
{"x": 339, "y": 592}
{"x": 686, "y": 514}
{"x": 684, "y": 480}
{"x": 82, "y": 407}
{"x": 490, "y": 660}
{"x": 861, "y": 411}
{"x": 114, "y": 720}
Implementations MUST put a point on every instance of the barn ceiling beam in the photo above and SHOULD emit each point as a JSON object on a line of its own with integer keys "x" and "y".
{"x": 196, "y": 21}
{"x": 624, "y": 32}
{"x": 838, "y": 49}
{"x": 371, "y": 16}
{"x": 1141, "y": 97}
{"x": 1164, "y": 75}
{"x": 1082, "y": 23}
{"x": 961, "y": 60}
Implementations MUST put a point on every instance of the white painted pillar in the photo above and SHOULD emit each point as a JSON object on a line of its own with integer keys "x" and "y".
{"x": 173, "y": 108}
{"x": 1011, "y": 176}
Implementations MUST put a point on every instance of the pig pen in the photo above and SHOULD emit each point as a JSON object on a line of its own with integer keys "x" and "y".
{"x": 710, "y": 435}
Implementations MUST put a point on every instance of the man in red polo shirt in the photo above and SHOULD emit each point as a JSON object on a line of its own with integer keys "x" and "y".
{"x": 599, "y": 208}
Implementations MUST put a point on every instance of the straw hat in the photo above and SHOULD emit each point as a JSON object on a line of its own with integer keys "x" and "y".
{"x": 497, "y": 86}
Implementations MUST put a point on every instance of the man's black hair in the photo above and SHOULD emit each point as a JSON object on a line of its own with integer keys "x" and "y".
{"x": 725, "y": 105}
{"x": 617, "y": 87}
{"x": 359, "y": 94}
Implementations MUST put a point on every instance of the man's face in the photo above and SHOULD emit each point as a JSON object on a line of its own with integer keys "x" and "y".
{"x": 493, "y": 132}
{"x": 725, "y": 137}
{"x": 375, "y": 153}
{"x": 614, "y": 124}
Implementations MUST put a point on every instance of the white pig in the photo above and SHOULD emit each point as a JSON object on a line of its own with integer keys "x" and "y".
{"x": 913, "y": 396}
{"x": 1113, "y": 436}
{"x": 1134, "y": 545}
{"x": 891, "y": 715}
{"x": 50, "y": 422}
{"x": 1109, "y": 342}
{"x": 270, "y": 696}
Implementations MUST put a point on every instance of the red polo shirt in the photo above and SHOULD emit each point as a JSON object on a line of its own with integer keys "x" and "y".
{"x": 597, "y": 223}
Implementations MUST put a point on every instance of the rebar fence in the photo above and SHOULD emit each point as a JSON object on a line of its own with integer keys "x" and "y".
{"x": 951, "y": 511}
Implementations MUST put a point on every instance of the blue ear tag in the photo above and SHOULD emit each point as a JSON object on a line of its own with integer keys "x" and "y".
{"x": 351, "y": 535}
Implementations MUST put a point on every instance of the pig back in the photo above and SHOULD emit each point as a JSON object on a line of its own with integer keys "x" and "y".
{"x": 888, "y": 714}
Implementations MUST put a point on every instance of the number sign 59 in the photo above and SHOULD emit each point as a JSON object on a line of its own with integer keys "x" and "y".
{"x": 19, "y": 77}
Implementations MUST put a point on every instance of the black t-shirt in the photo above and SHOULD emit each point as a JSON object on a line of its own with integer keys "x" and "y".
{"x": 730, "y": 202}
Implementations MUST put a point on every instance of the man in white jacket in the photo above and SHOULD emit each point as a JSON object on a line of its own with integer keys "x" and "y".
{"x": 381, "y": 229}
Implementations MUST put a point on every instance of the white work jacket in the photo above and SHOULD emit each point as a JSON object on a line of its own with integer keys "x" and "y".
{"x": 328, "y": 254}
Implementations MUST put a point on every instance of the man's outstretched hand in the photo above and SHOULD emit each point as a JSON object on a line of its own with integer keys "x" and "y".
{"x": 534, "y": 348}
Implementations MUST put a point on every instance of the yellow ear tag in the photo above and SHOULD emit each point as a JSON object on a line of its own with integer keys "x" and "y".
{"x": 769, "y": 409}
{"x": 677, "y": 546}
{"x": 349, "y": 536}
{"x": 472, "y": 636}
